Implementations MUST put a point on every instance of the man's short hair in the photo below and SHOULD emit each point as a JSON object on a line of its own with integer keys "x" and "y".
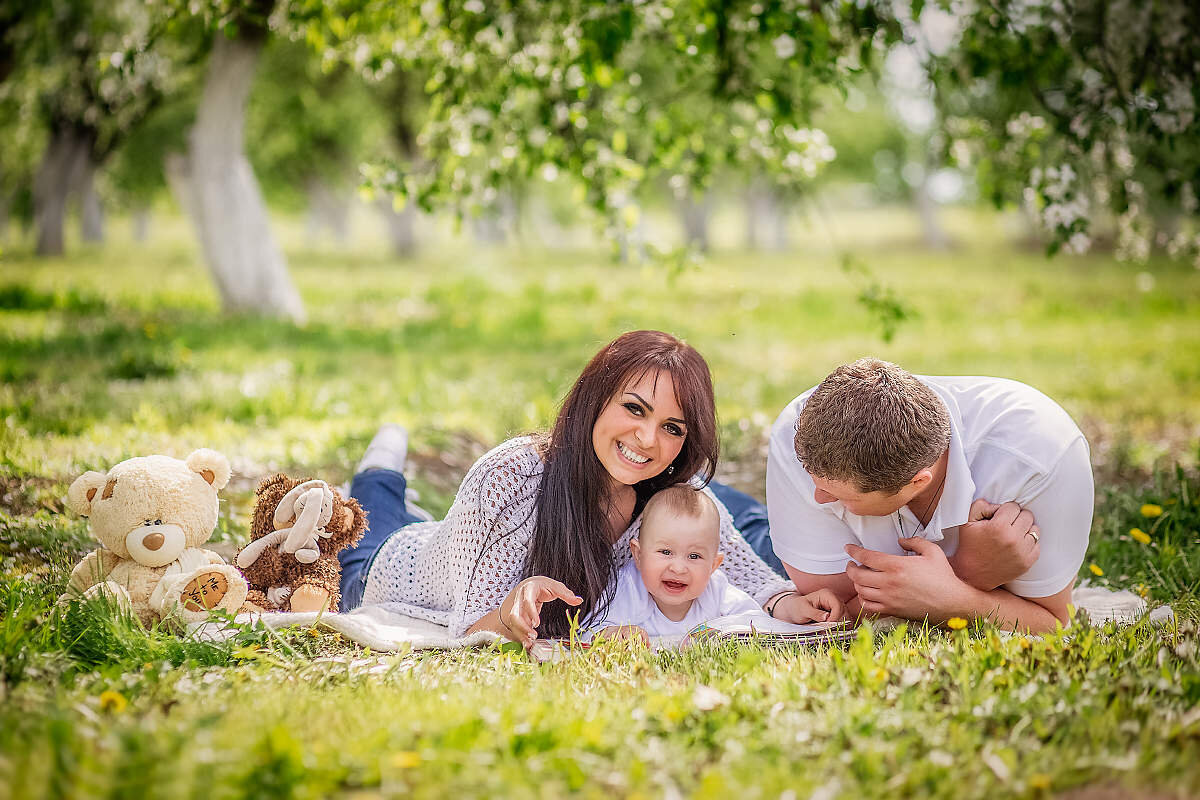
{"x": 683, "y": 500}
{"x": 873, "y": 424}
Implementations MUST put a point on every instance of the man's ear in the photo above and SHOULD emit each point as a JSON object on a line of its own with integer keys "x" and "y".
{"x": 717, "y": 562}
{"x": 83, "y": 492}
{"x": 922, "y": 479}
{"x": 211, "y": 465}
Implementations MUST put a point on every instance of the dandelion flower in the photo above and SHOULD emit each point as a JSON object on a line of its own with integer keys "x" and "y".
{"x": 1139, "y": 535}
{"x": 956, "y": 623}
{"x": 1095, "y": 570}
{"x": 406, "y": 759}
{"x": 1152, "y": 510}
{"x": 112, "y": 701}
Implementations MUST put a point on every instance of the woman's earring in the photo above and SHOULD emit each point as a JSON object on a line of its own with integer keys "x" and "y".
{"x": 671, "y": 470}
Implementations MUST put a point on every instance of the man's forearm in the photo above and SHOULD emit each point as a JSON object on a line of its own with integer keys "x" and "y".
{"x": 1008, "y": 611}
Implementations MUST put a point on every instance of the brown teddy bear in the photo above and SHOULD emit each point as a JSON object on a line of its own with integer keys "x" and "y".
{"x": 151, "y": 514}
{"x": 298, "y": 528}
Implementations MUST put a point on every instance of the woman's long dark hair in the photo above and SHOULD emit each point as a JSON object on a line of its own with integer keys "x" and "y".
{"x": 571, "y": 534}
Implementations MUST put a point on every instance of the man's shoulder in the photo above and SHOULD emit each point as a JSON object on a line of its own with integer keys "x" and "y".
{"x": 1003, "y": 415}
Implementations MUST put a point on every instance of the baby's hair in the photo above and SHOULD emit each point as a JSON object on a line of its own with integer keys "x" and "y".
{"x": 683, "y": 500}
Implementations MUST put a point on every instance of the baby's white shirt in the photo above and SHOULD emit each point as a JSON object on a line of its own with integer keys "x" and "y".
{"x": 633, "y": 605}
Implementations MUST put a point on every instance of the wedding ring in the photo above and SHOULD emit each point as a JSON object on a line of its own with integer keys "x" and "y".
{"x": 1034, "y": 534}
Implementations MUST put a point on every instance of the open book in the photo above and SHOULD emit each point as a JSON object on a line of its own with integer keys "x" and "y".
{"x": 750, "y": 626}
{"x": 767, "y": 630}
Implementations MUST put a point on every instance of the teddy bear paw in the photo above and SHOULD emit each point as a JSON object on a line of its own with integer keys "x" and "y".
{"x": 113, "y": 591}
{"x": 207, "y": 588}
{"x": 309, "y": 598}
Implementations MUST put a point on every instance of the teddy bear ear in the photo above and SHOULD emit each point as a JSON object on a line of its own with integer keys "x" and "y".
{"x": 83, "y": 491}
{"x": 211, "y": 465}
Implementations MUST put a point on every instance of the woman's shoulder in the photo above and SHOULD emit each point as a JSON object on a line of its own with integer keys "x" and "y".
{"x": 519, "y": 456}
{"x": 504, "y": 470}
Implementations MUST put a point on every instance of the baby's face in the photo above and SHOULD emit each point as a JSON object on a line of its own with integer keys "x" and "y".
{"x": 676, "y": 556}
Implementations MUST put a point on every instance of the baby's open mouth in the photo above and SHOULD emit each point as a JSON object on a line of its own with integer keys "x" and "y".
{"x": 674, "y": 586}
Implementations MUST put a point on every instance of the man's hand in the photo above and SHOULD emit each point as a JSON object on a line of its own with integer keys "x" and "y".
{"x": 997, "y": 544}
{"x": 520, "y": 612}
{"x": 914, "y": 587}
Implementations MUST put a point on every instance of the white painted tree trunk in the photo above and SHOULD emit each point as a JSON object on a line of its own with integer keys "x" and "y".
{"x": 141, "y": 223}
{"x": 327, "y": 208}
{"x": 401, "y": 227}
{"x": 766, "y": 218}
{"x": 65, "y": 158}
{"x": 224, "y": 200}
{"x": 177, "y": 172}
{"x": 91, "y": 211}
{"x": 4, "y": 206}
{"x": 694, "y": 214}
{"x": 927, "y": 209}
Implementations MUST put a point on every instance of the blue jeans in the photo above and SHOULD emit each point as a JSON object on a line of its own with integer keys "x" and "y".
{"x": 381, "y": 494}
{"x": 750, "y": 518}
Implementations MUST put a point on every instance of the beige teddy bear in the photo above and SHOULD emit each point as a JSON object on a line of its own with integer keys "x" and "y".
{"x": 152, "y": 514}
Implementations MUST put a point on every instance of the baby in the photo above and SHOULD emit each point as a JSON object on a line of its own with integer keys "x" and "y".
{"x": 673, "y": 582}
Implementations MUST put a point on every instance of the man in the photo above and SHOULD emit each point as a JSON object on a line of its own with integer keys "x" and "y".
{"x": 931, "y": 497}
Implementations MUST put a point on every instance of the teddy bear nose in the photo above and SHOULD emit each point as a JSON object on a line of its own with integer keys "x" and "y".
{"x": 153, "y": 541}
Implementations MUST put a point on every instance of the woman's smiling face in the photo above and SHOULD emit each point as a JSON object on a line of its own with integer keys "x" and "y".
{"x": 641, "y": 429}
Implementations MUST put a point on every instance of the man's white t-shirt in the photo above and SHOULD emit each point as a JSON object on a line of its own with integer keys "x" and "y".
{"x": 1008, "y": 441}
{"x": 633, "y": 605}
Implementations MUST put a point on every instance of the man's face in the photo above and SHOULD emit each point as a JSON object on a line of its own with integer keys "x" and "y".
{"x": 865, "y": 504}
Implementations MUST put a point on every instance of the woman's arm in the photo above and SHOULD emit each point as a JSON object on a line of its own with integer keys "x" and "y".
{"x": 489, "y": 529}
{"x": 519, "y": 616}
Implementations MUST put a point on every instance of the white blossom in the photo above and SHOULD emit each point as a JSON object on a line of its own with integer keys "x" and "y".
{"x": 785, "y": 46}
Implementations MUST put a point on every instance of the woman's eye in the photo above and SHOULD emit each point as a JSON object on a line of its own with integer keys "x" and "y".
{"x": 673, "y": 429}
{"x": 634, "y": 408}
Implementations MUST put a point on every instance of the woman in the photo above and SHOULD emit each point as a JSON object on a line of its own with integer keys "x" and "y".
{"x": 545, "y": 518}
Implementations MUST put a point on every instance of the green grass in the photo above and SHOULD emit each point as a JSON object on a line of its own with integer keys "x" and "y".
{"x": 120, "y": 351}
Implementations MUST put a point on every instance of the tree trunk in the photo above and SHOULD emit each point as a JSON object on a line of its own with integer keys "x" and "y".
{"x": 179, "y": 181}
{"x": 91, "y": 212}
{"x": 327, "y": 208}
{"x": 494, "y": 224}
{"x": 224, "y": 199}
{"x": 695, "y": 214}
{"x": 4, "y": 206}
{"x": 931, "y": 229}
{"x": 631, "y": 242}
{"x": 66, "y": 156}
{"x": 766, "y": 218}
{"x": 401, "y": 230}
{"x": 141, "y": 224}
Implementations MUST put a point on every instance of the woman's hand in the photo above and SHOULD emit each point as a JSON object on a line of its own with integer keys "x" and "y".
{"x": 521, "y": 611}
{"x": 819, "y": 606}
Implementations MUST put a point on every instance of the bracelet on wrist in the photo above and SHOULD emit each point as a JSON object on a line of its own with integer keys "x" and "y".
{"x": 771, "y": 606}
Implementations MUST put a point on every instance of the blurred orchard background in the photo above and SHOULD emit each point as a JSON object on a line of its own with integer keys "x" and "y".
{"x": 268, "y": 226}
{"x": 454, "y": 203}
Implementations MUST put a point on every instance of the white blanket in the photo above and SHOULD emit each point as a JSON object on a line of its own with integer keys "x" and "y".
{"x": 380, "y": 629}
